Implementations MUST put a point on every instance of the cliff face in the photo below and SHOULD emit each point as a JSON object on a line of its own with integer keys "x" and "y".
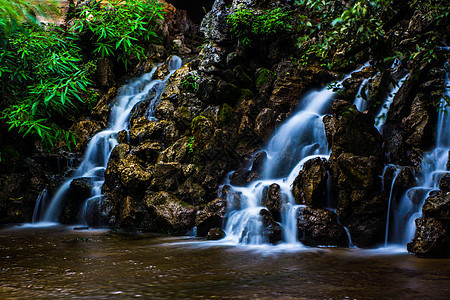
{"x": 219, "y": 109}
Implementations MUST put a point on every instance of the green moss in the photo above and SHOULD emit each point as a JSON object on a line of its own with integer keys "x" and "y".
{"x": 263, "y": 76}
{"x": 184, "y": 111}
{"x": 196, "y": 122}
{"x": 226, "y": 114}
{"x": 246, "y": 94}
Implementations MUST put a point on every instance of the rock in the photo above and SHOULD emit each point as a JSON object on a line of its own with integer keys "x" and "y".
{"x": 84, "y": 131}
{"x": 444, "y": 183}
{"x": 72, "y": 205}
{"x": 437, "y": 205}
{"x": 105, "y": 73}
{"x": 103, "y": 108}
{"x": 144, "y": 130}
{"x": 258, "y": 162}
{"x": 272, "y": 230}
{"x": 125, "y": 171}
{"x": 432, "y": 239}
{"x": 148, "y": 151}
{"x": 164, "y": 110}
{"x": 274, "y": 201}
{"x": 179, "y": 152}
{"x": 167, "y": 214}
{"x": 211, "y": 216}
{"x": 265, "y": 122}
{"x": 355, "y": 166}
{"x": 310, "y": 186}
{"x": 168, "y": 176}
{"x": 240, "y": 177}
{"x": 214, "y": 25}
{"x": 215, "y": 234}
{"x": 318, "y": 227}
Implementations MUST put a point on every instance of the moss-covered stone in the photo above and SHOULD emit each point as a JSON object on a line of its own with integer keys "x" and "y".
{"x": 226, "y": 114}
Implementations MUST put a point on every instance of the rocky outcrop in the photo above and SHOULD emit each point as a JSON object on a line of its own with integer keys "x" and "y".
{"x": 274, "y": 201}
{"x": 319, "y": 227}
{"x": 356, "y": 164}
{"x": 211, "y": 216}
{"x": 310, "y": 186}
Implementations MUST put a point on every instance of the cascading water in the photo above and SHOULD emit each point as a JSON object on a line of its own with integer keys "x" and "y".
{"x": 381, "y": 117}
{"x": 99, "y": 148}
{"x": 299, "y": 139}
{"x": 433, "y": 168}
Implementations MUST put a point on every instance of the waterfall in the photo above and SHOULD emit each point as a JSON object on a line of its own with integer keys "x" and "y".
{"x": 381, "y": 117}
{"x": 433, "y": 168}
{"x": 97, "y": 154}
{"x": 297, "y": 140}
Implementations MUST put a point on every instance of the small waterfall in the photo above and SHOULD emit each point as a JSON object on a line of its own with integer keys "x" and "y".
{"x": 433, "y": 168}
{"x": 381, "y": 117}
{"x": 299, "y": 139}
{"x": 40, "y": 203}
{"x": 97, "y": 154}
{"x": 391, "y": 190}
{"x": 362, "y": 96}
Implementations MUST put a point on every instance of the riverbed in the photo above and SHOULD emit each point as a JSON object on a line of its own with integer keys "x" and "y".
{"x": 59, "y": 262}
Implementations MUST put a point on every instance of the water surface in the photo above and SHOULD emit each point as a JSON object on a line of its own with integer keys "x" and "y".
{"x": 58, "y": 262}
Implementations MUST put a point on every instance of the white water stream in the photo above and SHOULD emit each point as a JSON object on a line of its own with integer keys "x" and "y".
{"x": 299, "y": 139}
{"x": 99, "y": 148}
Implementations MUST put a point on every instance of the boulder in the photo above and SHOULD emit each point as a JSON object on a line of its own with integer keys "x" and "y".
{"x": 274, "y": 201}
{"x": 168, "y": 176}
{"x": 310, "y": 186}
{"x": 166, "y": 214}
{"x": 72, "y": 206}
{"x": 271, "y": 229}
{"x": 437, "y": 206}
{"x": 211, "y": 216}
{"x": 432, "y": 239}
{"x": 319, "y": 227}
{"x": 265, "y": 123}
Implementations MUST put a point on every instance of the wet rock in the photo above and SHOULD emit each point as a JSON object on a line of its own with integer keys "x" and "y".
{"x": 72, "y": 205}
{"x": 444, "y": 183}
{"x": 310, "y": 186}
{"x": 318, "y": 227}
{"x": 432, "y": 239}
{"x": 167, "y": 214}
{"x": 265, "y": 122}
{"x": 437, "y": 205}
{"x": 102, "y": 108}
{"x": 164, "y": 110}
{"x": 258, "y": 162}
{"x": 96, "y": 212}
{"x": 240, "y": 177}
{"x": 84, "y": 131}
{"x": 272, "y": 230}
{"x": 105, "y": 73}
{"x": 179, "y": 152}
{"x": 211, "y": 216}
{"x": 123, "y": 170}
{"x": 214, "y": 25}
{"x": 148, "y": 151}
{"x": 168, "y": 176}
{"x": 356, "y": 165}
{"x": 274, "y": 201}
{"x": 215, "y": 234}
{"x": 191, "y": 192}
{"x": 145, "y": 130}
{"x": 405, "y": 180}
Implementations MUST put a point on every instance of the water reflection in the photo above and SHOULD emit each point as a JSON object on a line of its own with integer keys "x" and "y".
{"x": 42, "y": 263}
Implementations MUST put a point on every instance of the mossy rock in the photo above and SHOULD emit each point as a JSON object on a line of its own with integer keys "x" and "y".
{"x": 263, "y": 76}
{"x": 226, "y": 114}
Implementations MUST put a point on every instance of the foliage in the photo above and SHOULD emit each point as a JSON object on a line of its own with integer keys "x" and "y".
{"x": 190, "y": 144}
{"x": 14, "y": 12}
{"x": 119, "y": 29}
{"x": 42, "y": 74}
{"x": 189, "y": 84}
{"x": 333, "y": 33}
{"x": 249, "y": 25}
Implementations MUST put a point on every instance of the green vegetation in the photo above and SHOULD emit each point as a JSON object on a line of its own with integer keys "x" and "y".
{"x": 190, "y": 144}
{"x": 249, "y": 25}
{"x": 119, "y": 30}
{"x": 189, "y": 84}
{"x": 45, "y": 71}
{"x": 334, "y": 33}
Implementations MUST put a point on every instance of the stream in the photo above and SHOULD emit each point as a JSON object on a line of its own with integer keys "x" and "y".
{"x": 58, "y": 262}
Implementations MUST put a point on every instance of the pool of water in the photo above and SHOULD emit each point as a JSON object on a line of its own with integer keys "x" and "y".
{"x": 58, "y": 262}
